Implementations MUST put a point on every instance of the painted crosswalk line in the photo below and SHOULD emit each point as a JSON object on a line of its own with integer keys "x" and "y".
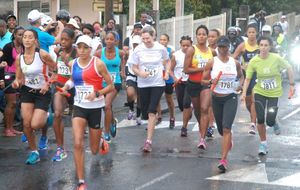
{"x": 258, "y": 174}
{"x": 164, "y": 124}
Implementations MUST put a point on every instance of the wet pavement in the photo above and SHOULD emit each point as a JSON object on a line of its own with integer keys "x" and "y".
{"x": 175, "y": 162}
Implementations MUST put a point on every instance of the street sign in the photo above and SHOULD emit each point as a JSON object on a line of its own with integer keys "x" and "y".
{"x": 99, "y": 5}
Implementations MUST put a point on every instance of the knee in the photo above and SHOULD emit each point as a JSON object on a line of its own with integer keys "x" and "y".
{"x": 58, "y": 115}
{"x": 226, "y": 131}
{"x": 78, "y": 146}
{"x": 204, "y": 110}
{"x": 11, "y": 105}
{"x": 108, "y": 107}
{"x": 94, "y": 151}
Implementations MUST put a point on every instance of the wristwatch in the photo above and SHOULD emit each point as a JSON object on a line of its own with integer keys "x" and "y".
{"x": 97, "y": 94}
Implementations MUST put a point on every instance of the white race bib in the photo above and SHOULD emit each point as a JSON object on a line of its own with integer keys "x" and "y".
{"x": 34, "y": 81}
{"x": 82, "y": 92}
{"x": 268, "y": 84}
{"x": 226, "y": 84}
{"x": 152, "y": 71}
{"x": 113, "y": 77}
{"x": 63, "y": 69}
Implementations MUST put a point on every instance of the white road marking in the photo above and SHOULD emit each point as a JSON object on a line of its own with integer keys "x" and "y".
{"x": 155, "y": 180}
{"x": 258, "y": 174}
{"x": 164, "y": 124}
{"x": 291, "y": 114}
{"x": 196, "y": 127}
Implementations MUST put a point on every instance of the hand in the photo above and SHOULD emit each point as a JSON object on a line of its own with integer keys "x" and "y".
{"x": 45, "y": 89}
{"x": 243, "y": 97}
{"x": 144, "y": 74}
{"x": 291, "y": 92}
{"x": 3, "y": 64}
{"x": 2, "y": 84}
{"x": 166, "y": 76}
{"x": 91, "y": 96}
{"x": 239, "y": 89}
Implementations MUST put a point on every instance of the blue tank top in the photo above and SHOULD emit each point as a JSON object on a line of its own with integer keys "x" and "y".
{"x": 113, "y": 66}
{"x": 170, "y": 80}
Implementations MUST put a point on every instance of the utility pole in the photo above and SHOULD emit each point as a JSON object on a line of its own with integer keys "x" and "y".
{"x": 108, "y": 10}
{"x": 179, "y": 8}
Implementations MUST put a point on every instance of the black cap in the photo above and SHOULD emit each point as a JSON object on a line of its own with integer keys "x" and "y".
{"x": 11, "y": 16}
{"x": 137, "y": 25}
{"x": 223, "y": 41}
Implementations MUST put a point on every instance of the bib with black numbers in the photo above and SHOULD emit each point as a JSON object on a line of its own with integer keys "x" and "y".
{"x": 226, "y": 83}
{"x": 113, "y": 76}
{"x": 268, "y": 84}
{"x": 63, "y": 69}
{"x": 152, "y": 71}
{"x": 82, "y": 92}
{"x": 33, "y": 81}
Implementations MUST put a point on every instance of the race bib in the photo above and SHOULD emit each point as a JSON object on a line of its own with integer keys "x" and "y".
{"x": 82, "y": 92}
{"x": 63, "y": 69}
{"x": 113, "y": 77}
{"x": 226, "y": 84}
{"x": 268, "y": 84}
{"x": 34, "y": 81}
{"x": 152, "y": 71}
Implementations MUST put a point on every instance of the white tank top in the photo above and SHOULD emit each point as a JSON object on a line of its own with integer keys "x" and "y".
{"x": 178, "y": 69}
{"x": 227, "y": 81}
{"x": 35, "y": 73}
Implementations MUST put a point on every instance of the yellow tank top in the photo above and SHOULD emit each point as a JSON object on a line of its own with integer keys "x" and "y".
{"x": 199, "y": 61}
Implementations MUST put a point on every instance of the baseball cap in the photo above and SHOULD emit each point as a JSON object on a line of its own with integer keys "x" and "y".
{"x": 223, "y": 41}
{"x": 283, "y": 16}
{"x": 137, "y": 25}
{"x": 136, "y": 39}
{"x": 84, "y": 39}
{"x": 45, "y": 20}
{"x": 266, "y": 28}
{"x": 11, "y": 16}
{"x": 34, "y": 15}
{"x": 73, "y": 22}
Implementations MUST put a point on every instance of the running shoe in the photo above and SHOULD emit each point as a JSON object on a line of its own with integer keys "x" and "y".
{"x": 24, "y": 138}
{"x": 107, "y": 137}
{"x": 130, "y": 115}
{"x": 139, "y": 121}
{"x": 172, "y": 123}
{"x": 104, "y": 147}
{"x": 263, "y": 149}
{"x": 8, "y": 133}
{"x": 43, "y": 144}
{"x": 147, "y": 146}
{"x": 59, "y": 155}
{"x": 222, "y": 166}
{"x": 252, "y": 130}
{"x": 81, "y": 186}
{"x": 159, "y": 120}
{"x": 202, "y": 144}
{"x": 183, "y": 132}
{"x": 16, "y": 132}
{"x": 113, "y": 128}
{"x": 210, "y": 132}
{"x": 33, "y": 158}
{"x": 276, "y": 129}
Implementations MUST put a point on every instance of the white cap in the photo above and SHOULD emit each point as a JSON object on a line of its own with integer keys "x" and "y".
{"x": 45, "y": 20}
{"x": 73, "y": 22}
{"x": 136, "y": 39}
{"x": 266, "y": 28}
{"x": 34, "y": 15}
{"x": 283, "y": 16}
{"x": 84, "y": 39}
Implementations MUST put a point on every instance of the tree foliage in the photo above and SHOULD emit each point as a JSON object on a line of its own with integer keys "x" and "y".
{"x": 204, "y": 8}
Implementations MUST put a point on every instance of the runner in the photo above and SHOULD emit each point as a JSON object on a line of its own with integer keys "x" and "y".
{"x": 149, "y": 60}
{"x": 87, "y": 75}
{"x": 248, "y": 49}
{"x": 32, "y": 77}
{"x": 115, "y": 63}
{"x": 195, "y": 60}
{"x": 268, "y": 88}
{"x": 66, "y": 53}
{"x": 224, "y": 96}
{"x": 180, "y": 78}
{"x": 131, "y": 84}
{"x": 10, "y": 53}
{"x": 164, "y": 40}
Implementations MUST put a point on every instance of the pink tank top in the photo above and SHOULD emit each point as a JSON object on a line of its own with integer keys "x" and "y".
{"x": 12, "y": 68}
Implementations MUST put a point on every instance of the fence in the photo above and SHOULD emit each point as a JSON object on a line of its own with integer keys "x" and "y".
{"x": 186, "y": 25}
{"x": 176, "y": 27}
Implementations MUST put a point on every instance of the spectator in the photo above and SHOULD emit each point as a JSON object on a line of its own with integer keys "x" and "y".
{"x": 143, "y": 19}
{"x": 284, "y": 25}
{"x": 11, "y": 22}
{"x": 5, "y": 35}
{"x": 89, "y": 30}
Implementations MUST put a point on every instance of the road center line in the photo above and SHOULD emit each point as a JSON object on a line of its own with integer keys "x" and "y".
{"x": 291, "y": 114}
{"x": 155, "y": 180}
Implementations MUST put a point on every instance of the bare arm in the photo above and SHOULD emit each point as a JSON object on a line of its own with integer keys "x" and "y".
{"x": 173, "y": 64}
{"x": 239, "y": 50}
{"x": 60, "y": 29}
{"x": 46, "y": 58}
{"x": 240, "y": 76}
{"x": 206, "y": 72}
{"x": 19, "y": 81}
{"x": 123, "y": 63}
